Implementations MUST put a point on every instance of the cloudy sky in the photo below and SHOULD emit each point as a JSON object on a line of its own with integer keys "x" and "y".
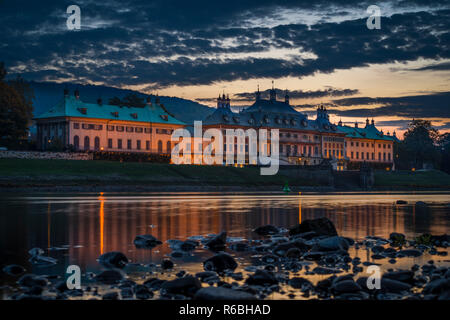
{"x": 321, "y": 52}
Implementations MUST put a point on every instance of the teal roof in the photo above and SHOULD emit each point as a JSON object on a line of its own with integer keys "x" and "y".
{"x": 70, "y": 106}
{"x": 368, "y": 132}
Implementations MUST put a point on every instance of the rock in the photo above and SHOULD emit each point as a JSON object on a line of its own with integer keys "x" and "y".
{"x": 109, "y": 277}
{"x": 269, "y": 259}
{"x": 377, "y": 249}
{"x": 445, "y": 296}
{"x": 188, "y": 245}
{"x": 14, "y": 270}
{"x": 142, "y": 292}
{"x": 166, "y": 264}
{"x": 113, "y": 259}
{"x": 126, "y": 293}
{"x": 186, "y": 286}
{"x": 401, "y": 202}
{"x": 262, "y": 278}
{"x": 218, "y": 242}
{"x": 282, "y": 248}
{"x": 323, "y": 270}
{"x": 421, "y": 204}
{"x": 321, "y": 226}
{"x": 221, "y": 293}
{"x": 406, "y": 276}
{"x": 346, "y": 286}
{"x": 313, "y": 255}
{"x": 146, "y": 241}
{"x": 409, "y": 253}
{"x": 266, "y": 230}
{"x": 111, "y": 296}
{"x": 332, "y": 244}
{"x": 239, "y": 246}
{"x": 294, "y": 253}
{"x": 437, "y": 286}
{"x": 31, "y": 280}
{"x": 300, "y": 283}
{"x": 390, "y": 285}
{"x": 220, "y": 262}
{"x": 154, "y": 283}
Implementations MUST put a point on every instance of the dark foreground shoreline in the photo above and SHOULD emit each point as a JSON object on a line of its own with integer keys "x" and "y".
{"x": 283, "y": 262}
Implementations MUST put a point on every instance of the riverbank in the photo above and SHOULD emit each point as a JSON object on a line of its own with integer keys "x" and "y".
{"x": 88, "y": 176}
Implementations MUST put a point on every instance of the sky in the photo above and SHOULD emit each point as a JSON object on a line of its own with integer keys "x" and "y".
{"x": 321, "y": 52}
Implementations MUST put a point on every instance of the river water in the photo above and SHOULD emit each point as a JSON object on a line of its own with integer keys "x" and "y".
{"x": 78, "y": 228}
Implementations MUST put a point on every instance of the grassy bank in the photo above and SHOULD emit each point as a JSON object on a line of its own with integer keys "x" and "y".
{"x": 412, "y": 180}
{"x": 17, "y": 173}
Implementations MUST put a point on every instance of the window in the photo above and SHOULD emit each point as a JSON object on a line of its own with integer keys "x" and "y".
{"x": 147, "y": 145}
{"x": 362, "y": 155}
{"x": 110, "y": 128}
{"x": 76, "y": 125}
{"x": 357, "y": 155}
{"x": 168, "y": 147}
{"x": 85, "y": 126}
{"x": 76, "y": 142}
{"x": 357, "y": 143}
{"x": 119, "y": 128}
{"x": 379, "y": 155}
{"x": 119, "y": 143}
{"x": 351, "y": 143}
{"x": 352, "y": 155}
{"x": 389, "y": 146}
{"x": 159, "y": 146}
{"x": 86, "y": 143}
{"x": 316, "y": 151}
{"x": 110, "y": 143}
{"x": 148, "y": 130}
{"x": 389, "y": 156}
{"x": 138, "y": 130}
{"x": 373, "y": 156}
{"x": 98, "y": 127}
{"x": 129, "y": 144}
{"x": 138, "y": 144}
{"x": 384, "y": 156}
{"x": 367, "y": 156}
{"x": 384, "y": 146}
{"x": 379, "y": 146}
{"x": 97, "y": 143}
{"x": 130, "y": 129}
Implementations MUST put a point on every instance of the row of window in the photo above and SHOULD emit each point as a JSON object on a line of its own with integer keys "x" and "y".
{"x": 334, "y": 145}
{"x": 119, "y": 144}
{"x": 296, "y": 150}
{"x": 367, "y": 144}
{"x": 370, "y": 156}
{"x": 90, "y": 126}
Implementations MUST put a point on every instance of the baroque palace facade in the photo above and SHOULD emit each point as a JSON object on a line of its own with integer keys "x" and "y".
{"x": 302, "y": 141}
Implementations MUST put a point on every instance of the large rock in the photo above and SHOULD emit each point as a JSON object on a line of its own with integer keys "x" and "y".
{"x": 332, "y": 244}
{"x": 389, "y": 285}
{"x": 186, "y": 286}
{"x": 346, "y": 286}
{"x": 321, "y": 226}
{"x": 31, "y": 280}
{"x": 266, "y": 230}
{"x": 406, "y": 276}
{"x": 437, "y": 286}
{"x": 282, "y": 248}
{"x": 218, "y": 242}
{"x": 14, "y": 270}
{"x": 113, "y": 259}
{"x": 146, "y": 241}
{"x": 220, "y": 262}
{"x": 262, "y": 278}
{"x": 300, "y": 283}
{"x": 109, "y": 277}
{"x": 221, "y": 293}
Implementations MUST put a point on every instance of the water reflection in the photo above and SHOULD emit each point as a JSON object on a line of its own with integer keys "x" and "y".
{"x": 84, "y": 226}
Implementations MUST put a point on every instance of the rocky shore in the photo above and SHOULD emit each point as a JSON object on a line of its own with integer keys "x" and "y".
{"x": 283, "y": 264}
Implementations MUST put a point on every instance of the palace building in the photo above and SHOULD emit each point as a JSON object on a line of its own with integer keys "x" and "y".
{"x": 302, "y": 141}
{"x": 102, "y": 127}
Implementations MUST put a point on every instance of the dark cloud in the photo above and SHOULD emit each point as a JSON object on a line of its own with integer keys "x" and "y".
{"x": 300, "y": 94}
{"x": 435, "y": 105}
{"x": 163, "y": 43}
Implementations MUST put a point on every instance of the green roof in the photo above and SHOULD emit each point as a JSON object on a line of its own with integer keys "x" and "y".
{"x": 73, "y": 107}
{"x": 368, "y": 132}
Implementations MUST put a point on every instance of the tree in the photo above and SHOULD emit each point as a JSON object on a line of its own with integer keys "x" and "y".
{"x": 16, "y": 107}
{"x": 420, "y": 144}
{"x": 444, "y": 146}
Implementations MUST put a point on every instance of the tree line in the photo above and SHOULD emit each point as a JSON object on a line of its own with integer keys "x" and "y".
{"x": 16, "y": 110}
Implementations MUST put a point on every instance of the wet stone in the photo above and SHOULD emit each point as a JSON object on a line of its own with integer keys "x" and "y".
{"x": 219, "y": 263}
{"x": 113, "y": 259}
{"x": 266, "y": 230}
{"x": 14, "y": 270}
{"x": 146, "y": 241}
{"x": 186, "y": 286}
